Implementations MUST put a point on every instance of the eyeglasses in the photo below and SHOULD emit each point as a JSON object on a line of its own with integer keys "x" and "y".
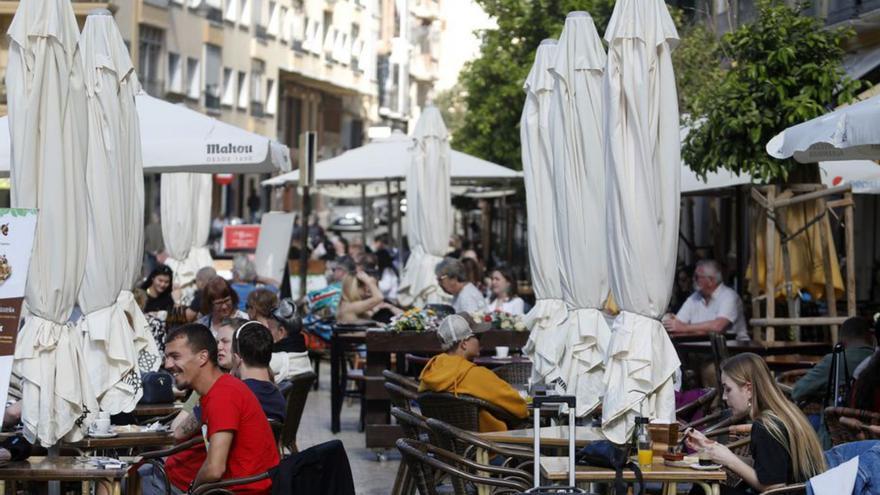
{"x": 441, "y": 278}
{"x": 226, "y": 301}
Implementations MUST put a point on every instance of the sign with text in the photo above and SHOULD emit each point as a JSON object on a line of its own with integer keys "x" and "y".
{"x": 241, "y": 237}
{"x": 17, "y": 227}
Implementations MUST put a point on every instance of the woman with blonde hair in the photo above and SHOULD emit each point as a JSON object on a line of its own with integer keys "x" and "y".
{"x": 784, "y": 446}
{"x": 361, "y": 297}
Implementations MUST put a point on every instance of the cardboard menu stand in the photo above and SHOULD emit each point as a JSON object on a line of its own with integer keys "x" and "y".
{"x": 17, "y": 228}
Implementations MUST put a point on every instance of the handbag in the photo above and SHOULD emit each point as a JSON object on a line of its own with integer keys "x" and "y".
{"x": 157, "y": 388}
{"x": 605, "y": 454}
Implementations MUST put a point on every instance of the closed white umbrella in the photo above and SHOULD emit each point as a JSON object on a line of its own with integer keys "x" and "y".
{"x": 113, "y": 160}
{"x": 186, "y": 221}
{"x": 848, "y": 133}
{"x": 579, "y": 178}
{"x": 429, "y": 212}
{"x": 547, "y": 340}
{"x": 47, "y": 110}
{"x": 643, "y": 164}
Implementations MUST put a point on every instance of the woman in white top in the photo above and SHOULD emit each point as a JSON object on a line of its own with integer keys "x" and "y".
{"x": 389, "y": 279}
{"x": 504, "y": 298}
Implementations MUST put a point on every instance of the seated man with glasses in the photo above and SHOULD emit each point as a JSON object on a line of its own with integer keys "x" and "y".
{"x": 454, "y": 372}
{"x": 452, "y": 278}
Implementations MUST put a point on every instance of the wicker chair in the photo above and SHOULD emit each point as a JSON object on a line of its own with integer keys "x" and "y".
{"x": 457, "y": 440}
{"x": 296, "y": 396}
{"x": 516, "y": 374}
{"x": 843, "y": 431}
{"x": 462, "y": 411}
{"x": 704, "y": 402}
{"x": 415, "y": 427}
{"x": 427, "y": 462}
{"x": 400, "y": 380}
{"x": 401, "y": 397}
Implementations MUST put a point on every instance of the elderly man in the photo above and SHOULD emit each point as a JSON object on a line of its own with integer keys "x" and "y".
{"x": 452, "y": 278}
{"x": 713, "y": 307}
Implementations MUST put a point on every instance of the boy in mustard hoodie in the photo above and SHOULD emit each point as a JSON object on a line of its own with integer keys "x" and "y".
{"x": 454, "y": 372}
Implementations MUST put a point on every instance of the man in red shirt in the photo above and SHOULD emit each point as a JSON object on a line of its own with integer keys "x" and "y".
{"x": 239, "y": 439}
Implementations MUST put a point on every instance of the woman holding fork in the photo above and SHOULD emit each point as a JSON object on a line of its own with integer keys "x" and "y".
{"x": 784, "y": 446}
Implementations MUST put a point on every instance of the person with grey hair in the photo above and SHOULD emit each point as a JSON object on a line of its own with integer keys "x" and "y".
{"x": 204, "y": 274}
{"x": 453, "y": 371}
{"x": 245, "y": 279}
{"x": 713, "y": 307}
{"x": 452, "y": 278}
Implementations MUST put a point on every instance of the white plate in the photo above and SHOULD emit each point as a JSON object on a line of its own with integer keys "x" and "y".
{"x": 103, "y": 435}
{"x": 711, "y": 467}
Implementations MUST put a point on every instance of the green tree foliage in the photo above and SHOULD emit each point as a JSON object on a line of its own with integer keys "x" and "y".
{"x": 452, "y": 108}
{"x": 784, "y": 68}
{"x": 697, "y": 68}
{"x": 492, "y": 84}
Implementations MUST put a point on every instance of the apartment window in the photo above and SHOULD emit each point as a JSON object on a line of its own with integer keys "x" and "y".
{"x": 274, "y": 28}
{"x": 286, "y": 25}
{"x": 272, "y": 96}
{"x": 258, "y": 19}
{"x": 242, "y": 90}
{"x": 193, "y": 76}
{"x": 328, "y": 31}
{"x": 213, "y": 63}
{"x": 331, "y": 106}
{"x": 214, "y": 12}
{"x": 246, "y": 9}
{"x": 175, "y": 73}
{"x": 228, "y": 91}
{"x": 150, "y": 53}
{"x": 258, "y": 98}
{"x": 232, "y": 10}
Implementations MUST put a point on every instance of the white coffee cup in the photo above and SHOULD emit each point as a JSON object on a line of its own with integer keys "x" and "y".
{"x": 103, "y": 414}
{"x": 502, "y": 351}
{"x": 102, "y": 426}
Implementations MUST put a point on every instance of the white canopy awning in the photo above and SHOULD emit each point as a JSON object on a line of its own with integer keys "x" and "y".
{"x": 388, "y": 159}
{"x": 848, "y": 133}
{"x": 177, "y": 139}
{"x": 863, "y": 175}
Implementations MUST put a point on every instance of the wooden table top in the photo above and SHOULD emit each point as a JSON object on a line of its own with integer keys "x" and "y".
{"x": 760, "y": 348}
{"x": 134, "y": 440}
{"x": 143, "y": 410}
{"x": 786, "y": 362}
{"x": 63, "y": 468}
{"x": 556, "y": 468}
{"x": 551, "y": 436}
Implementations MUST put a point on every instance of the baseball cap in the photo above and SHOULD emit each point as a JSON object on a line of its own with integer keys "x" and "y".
{"x": 455, "y": 328}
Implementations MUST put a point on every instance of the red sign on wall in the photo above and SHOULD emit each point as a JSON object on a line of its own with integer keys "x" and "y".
{"x": 240, "y": 237}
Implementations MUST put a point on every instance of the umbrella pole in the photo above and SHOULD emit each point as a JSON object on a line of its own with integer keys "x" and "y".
{"x": 399, "y": 225}
{"x": 304, "y": 240}
{"x": 364, "y": 214}
{"x": 54, "y": 486}
{"x": 390, "y": 219}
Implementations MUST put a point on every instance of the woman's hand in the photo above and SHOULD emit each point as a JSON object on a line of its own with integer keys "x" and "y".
{"x": 719, "y": 453}
{"x": 695, "y": 440}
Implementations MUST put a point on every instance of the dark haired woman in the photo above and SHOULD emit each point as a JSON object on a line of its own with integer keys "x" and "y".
{"x": 389, "y": 278}
{"x": 504, "y": 297}
{"x": 158, "y": 290}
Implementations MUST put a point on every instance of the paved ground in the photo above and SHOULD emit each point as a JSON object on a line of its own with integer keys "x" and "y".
{"x": 370, "y": 476}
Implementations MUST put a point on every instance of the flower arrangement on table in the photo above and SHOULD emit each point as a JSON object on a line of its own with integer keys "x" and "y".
{"x": 500, "y": 320}
{"x": 414, "y": 320}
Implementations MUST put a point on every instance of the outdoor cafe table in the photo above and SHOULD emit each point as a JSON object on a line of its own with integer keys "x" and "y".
{"x": 134, "y": 440}
{"x": 155, "y": 410}
{"x": 556, "y": 469}
{"x": 551, "y": 436}
{"x": 788, "y": 362}
{"x": 64, "y": 468}
{"x": 760, "y": 348}
{"x": 380, "y": 433}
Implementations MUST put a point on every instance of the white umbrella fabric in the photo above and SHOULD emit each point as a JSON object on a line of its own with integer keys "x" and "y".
{"x": 113, "y": 158}
{"x": 579, "y": 179}
{"x": 185, "y": 203}
{"x": 47, "y": 111}
{"x": 429, "y": 211}
{"x": 848, "y": 133}
{"x": 643, "y": 164}
{"x": 175, "y": 138}
{"x": 390, "y": 159}
{"x": 546, "y": 344}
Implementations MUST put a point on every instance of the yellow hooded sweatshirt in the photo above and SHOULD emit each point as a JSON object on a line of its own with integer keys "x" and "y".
{"x": 457, "y": 375}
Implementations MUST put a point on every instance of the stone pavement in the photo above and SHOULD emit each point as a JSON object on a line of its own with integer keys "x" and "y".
{"x": 371, "y": 477}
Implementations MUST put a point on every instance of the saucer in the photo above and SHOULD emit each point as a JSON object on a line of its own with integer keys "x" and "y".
{"x": 103, "y": 435}
{"x": 711, "y": 467}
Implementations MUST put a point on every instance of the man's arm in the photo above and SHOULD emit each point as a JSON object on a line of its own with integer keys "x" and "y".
{"x": 215, "y": 464}
{"x": 676, "y": 326}
{"x": 812, "y": 385}
{"x": 184, "y": 426}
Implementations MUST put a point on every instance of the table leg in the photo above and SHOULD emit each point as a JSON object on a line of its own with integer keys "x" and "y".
{"x": 336, "y": 355}
{"x": 709, "y": 488}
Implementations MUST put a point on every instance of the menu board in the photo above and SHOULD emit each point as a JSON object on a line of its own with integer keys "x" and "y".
{"x": 17, "y": 227}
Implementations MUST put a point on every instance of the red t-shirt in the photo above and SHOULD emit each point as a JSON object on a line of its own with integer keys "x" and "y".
{"x": 231, "y": 406}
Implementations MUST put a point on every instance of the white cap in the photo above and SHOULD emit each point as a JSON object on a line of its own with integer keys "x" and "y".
{"x": 454, "y": 328}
